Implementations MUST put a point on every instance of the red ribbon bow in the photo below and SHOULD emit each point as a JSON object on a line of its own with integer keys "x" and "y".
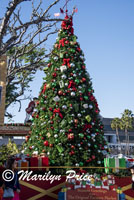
{"x": 66, "y": 61}
{"x": 44, "y": 89}
{"x": 71, "y": 84}
{"x": 61, "y": 42}
{"x": 58, "y": 111}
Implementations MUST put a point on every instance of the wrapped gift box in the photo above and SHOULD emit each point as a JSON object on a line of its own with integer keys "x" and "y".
{"x": 64, "y": 189}
{"x": 98, "y": 184}
{"x": 34, "y": 163}
{"x": 109, "y": 162}
{"x": 62, "y": 196}
{"x": 23, "y": 163}
{"x": 114, "y": 162}
{"x": 70, "y": 186}
{"x": 122, "y": 162}
{"x": 105, "y": 184}
{"x": 83, "y": 184}
{"x": 122, "y": 196}
{"x": 77, "y": 185}
{"x": 111, "y": 187}
{"x": 39, "y": 161}
{"x": 43, "y": 162}
{"x": 119, "y": 190}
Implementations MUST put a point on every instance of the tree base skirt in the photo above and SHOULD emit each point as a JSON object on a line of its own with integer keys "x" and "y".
{"x": 44, "y": 190}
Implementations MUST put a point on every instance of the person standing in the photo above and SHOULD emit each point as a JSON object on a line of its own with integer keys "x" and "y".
{"x": 13, "y": 184}
{"x": 30, "y": 109}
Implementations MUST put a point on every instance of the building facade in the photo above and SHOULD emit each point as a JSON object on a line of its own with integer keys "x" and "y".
{"x": 111, "y": 137}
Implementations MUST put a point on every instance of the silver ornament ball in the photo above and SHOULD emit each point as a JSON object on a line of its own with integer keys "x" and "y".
{"x": 72, "y": 94}
{"x": 63, "y": 76}
{"x": 55, "y": 135}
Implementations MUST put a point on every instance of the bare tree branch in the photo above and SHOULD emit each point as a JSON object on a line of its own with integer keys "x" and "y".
{"x": 23, "y": 41}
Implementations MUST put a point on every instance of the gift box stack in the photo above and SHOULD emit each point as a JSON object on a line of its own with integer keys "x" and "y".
{"x": 33, "y": 163}
{"x": 115, "y": 163}
{"x": 95, "y": 181}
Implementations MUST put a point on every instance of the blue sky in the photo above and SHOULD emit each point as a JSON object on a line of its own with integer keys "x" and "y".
{"x": 105, "y": 30}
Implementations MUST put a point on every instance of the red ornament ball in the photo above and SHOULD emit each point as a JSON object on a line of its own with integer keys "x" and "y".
{"x": 49, "y": 65}
{"x": 83, "y": 67}
{"x": 70, "y": 136}
{"x": 66, "y": 42}
{"x": 37, "y": 102}
{"x": 46, "y": 143}
{"x": 60, "y": 92}
{"x": 72, "y": 152}
{"x": 56, "y": 45}
{"x": 93, "y": 157}
{"x": 33, "y": 114}
{"x": 73, "y": 147}
{"x": 76, "y": 121}
{"x": 54, "y": 74}
{"x": 83, "y": 79}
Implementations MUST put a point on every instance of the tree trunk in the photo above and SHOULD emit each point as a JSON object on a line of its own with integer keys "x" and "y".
{"x": 118, "y": 139}
{"x": 128, "y": 143}
{"x": 126, "y": 149}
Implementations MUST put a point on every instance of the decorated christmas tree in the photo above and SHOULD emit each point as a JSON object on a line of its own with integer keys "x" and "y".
{"x": 67, "y": 125}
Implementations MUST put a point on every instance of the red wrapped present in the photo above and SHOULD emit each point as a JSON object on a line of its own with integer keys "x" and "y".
{"x": 113, "y": 187}
{"x": 69, "y": 186}
{"x": 43, "y": 161}
{"x": 34, "y": 163}
{"x": 38, "y": 162}
{"x": 105, "y": 184}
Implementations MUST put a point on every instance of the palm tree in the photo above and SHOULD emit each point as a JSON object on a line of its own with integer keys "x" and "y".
{"x": 115, "y": 125}
{"x": 126, "y": 125}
